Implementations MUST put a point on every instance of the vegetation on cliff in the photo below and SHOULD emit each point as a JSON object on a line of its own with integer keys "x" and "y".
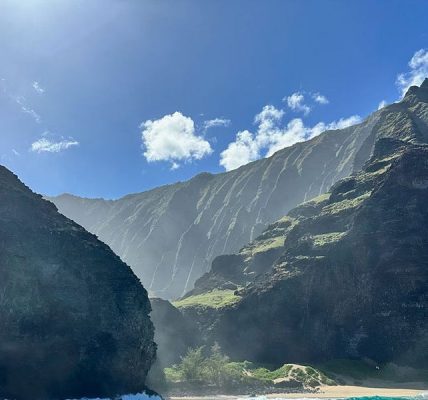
{"x": 350, "y": 279}
{"x": 213, "y": 299}
{"x": 200, "y": 369}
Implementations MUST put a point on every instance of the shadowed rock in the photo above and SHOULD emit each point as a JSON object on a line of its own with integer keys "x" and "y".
{"x": 74, "y": 318}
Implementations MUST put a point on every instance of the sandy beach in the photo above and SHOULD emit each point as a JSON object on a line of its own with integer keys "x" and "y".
{"x": 328, "y": 392}
{"x": 351, "y": 391}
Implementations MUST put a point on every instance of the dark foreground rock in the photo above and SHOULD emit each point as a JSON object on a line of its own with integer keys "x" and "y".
{"x": 74, "y": 318}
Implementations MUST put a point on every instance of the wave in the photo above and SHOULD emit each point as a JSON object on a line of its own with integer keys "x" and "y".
{"x": 144, "y": 396}
{"x": 138, "y": 396}
{"x": 422, "y": 396}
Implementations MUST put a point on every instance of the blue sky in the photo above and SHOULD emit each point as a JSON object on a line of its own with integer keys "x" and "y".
{"x": 102, "y": 98}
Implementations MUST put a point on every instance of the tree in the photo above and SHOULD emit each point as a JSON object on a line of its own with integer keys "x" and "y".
{"x": 215, "y": 366}
{"x": 192, "y": 365}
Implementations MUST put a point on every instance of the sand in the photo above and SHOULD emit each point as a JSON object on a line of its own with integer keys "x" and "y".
{"x": 352, "y": 391}
{"x": 328, "y": 392}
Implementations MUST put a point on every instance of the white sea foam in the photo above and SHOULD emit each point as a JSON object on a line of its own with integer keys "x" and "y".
{"x": 281, "y": 398}
{"x": 138, "y": 396}
{"x": 143, "y": 396}
{"x": 422, "y": 396}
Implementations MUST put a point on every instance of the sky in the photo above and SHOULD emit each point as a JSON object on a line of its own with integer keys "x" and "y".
{"x": 102, "y": 98}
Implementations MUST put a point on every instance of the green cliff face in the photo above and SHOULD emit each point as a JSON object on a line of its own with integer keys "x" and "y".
{"x": 74, "y": 318}
{"x": 350, "y": 279}
{"x": 170, "y": 235}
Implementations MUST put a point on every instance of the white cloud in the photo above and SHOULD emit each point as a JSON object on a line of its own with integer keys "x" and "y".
{"x": 212, "y": 123}
{"x": 172, "y": 138}
{"x": 174, "y": 166}
{"x": 268, "y": 120}
{"x": 296, "y": 103}
{"x": 243, "y": 150}
{"x": 319, "y": 98}
{"x": 44, "y": 145}
{"x": 382, "y": 104}
{"x": 32, "y": 113}
{"x": 247, "y": 146}
{"x": 342, "y": 123}
{"x": 21, "y": 101}
{"x": 418, "y": 72}
{"x": 296, "y": 131}
{"x": 272, "y": 136}
{"x": 38, "y": 88}
{"x": 15, "y": 152}
{"x": 27, "y": 110}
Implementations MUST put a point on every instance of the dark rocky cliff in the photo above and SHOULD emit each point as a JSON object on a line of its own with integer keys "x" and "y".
{"x": 174, "y": 334}
{"x": 170, "y": 235}
{"x": 74, "y": 317}
{"x": 406, "y": 121}
{"x": 342, "y": 276}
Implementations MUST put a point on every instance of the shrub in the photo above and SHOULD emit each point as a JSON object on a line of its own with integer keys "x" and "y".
{"x": 216, "y": 370}
{"x": 215, "y": 366}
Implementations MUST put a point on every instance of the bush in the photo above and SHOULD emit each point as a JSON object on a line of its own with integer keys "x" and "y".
{"x": 215, "y": 369}
{"x": 190, "y": 369}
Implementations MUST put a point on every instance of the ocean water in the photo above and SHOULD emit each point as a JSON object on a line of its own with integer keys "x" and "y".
{"x": 423, "y": 396}
{"x": 143, "y": 396}
{"x": 138, "y": 396}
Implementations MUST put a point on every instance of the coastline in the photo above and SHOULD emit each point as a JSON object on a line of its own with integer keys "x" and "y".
{"x": 352, "y": 391}
{"x": 324, "y": 392}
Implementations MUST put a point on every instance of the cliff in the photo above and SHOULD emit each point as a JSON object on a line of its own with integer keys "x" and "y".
{"x": 74, "y": 317}
{"x": 170, "y": 235}
{"x": 341, "y": 276}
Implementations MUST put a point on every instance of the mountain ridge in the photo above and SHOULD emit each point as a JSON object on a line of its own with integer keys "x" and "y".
{"x": 182, "y": 227}
{"x": 220, "y": 212}
{"x": 341, "y": 276}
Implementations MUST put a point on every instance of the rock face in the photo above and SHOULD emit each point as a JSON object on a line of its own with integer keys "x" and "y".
{"x": 170, "y": 235}
{"x": 344, "y": 275}
{"x": 174, "y": 333}
{"x": 74, "y": 318}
